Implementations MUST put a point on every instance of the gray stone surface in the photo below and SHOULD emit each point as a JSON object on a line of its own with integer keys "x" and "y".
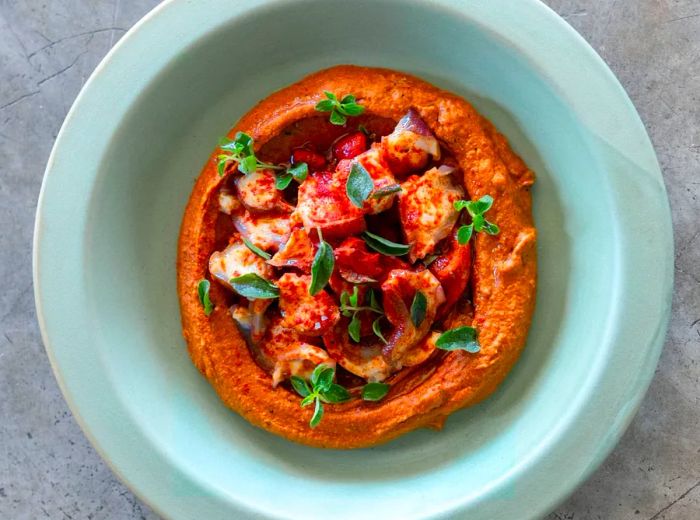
{"x": 47, "y": 51}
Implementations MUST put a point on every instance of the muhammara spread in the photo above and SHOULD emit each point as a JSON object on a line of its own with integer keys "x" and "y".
{"x": 357, "y": 259}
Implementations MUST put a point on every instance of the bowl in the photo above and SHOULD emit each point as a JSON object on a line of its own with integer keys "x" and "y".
{"x": 123, "y": 167}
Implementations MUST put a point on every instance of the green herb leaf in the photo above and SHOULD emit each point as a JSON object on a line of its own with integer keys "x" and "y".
{"x": 254, "y": 287}
{"x": 385, "y": 191}
{"x": 335, "y": 394}
{"x": 308, "y": 400}
{"x": 255, "y": 249}
{"x": 429, "y": 259}
{"x": 299, "y": 171}
{"x": 355, "y": 296}
{"x": 325, "y": 379}
{"x": 359, "y": 185}
{"x": 461, "y": 338}
{"x": 384, "y": 246}
{"x": 203, "y": 293}
{"x": 464, "y": 234}
{"x": 375, "y": 391}
{"x": 339, "y": 110}
{"x": 377, "y": 329}
{"x": 301, "y": 386}
{"x": 476, "y": 210}
{"x": 283, "y": 180}
{"x": 321, "y": 268}
{"x": 418, "y": 308}
{"x": 316, "y": 374}
{"x": 337, "y": 118}
{"x": 318, "y": 414}
{"x": 373, "y": 303}
{"x": 354, "y": 328}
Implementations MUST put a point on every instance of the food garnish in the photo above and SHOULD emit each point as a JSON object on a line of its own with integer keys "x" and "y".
{"x": 375, "y": 391}
{"x": 340, "y": 110}
{"x": 203, "y": 294}
{"x": 359, "y": 185}
{"x": 476, "y": 210}
{"x": 255, "y": 249}
{"x": 322, "y": 390}
{"x": 322, "y": 266}
{"x": 254, "y": 287}
{"x": 460, "y": 338}
{"x": 384, "y": 246}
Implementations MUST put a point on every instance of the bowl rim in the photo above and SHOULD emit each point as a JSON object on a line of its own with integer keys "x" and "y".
{"x": 621, "y": 128}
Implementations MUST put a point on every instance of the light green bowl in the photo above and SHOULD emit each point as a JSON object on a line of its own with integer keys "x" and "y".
{"x": 121, "y": 172}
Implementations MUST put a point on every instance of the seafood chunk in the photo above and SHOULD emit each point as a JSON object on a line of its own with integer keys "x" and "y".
{"x": 257, "y": 192}
{"x": 298, "y": 252}
{"x": 323, "y": 204}
{"x": 237, "y": 260}
{"x": 228, "y": 202}
{"x": 251, "y": 319}
{"x": 426, "y": 209}
{"x": 290, "y": 354}
{"x": 410, "y": 145}
{"x": 306, "y": 314}
{"x": 363, "y": 360}
{"x": 399, "y": 289}
{"x": 268, "y": 231}
{"x": 374, "y": 162}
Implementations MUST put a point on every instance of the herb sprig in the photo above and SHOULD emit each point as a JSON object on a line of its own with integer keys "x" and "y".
{"x": 255, "y": 249}
{"x": 339, "y": 109}
{"x": 203, "y": 294}
{"x": 384, "y": 246}
{"x": 375, "y": 391}
{"x": 350, "y": 307}
{"x": 359, "y": 185}
{"x": 322, "y": 266}
{"x": 322, "y": 390}
{"x": 254, "y": 287}
{"x": 460, "y": 338}
{"x": 476, "y": 210}
{"x": 240, "y": 150}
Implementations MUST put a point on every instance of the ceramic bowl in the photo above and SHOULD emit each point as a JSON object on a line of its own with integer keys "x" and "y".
{"x": 123, "y": 167}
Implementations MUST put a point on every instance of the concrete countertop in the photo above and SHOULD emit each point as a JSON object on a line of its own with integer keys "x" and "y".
{"x": 48, "y": 50}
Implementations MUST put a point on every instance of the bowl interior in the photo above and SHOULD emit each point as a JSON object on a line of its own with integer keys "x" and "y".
{"x": 145, "y": 177}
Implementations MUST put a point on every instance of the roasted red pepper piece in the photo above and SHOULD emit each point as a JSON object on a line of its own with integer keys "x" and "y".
{"x": 350, "y": 146}
{"x": 314, "y": 160}
{"x": 452, "y": 269}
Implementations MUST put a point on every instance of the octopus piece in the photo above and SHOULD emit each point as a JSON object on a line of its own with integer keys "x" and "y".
{"x": 323, "y": 204}
{"x": 237, "y": 260}
{"x": 298, "y": 252}
{"x": 288, "y": 353}
{"x": 452, "y": 268}
{"x": 306, "y": 314}
{"x": 410, "y": 145}
{"x": 426, "y": 209}
{"x": 267, "y": 231}
{"x": 363, "y": 360}
{"x": 398, "y": 290}
{"x": 257, "y": 192}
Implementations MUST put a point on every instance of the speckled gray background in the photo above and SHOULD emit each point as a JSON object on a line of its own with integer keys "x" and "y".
{"x": 48, "y": 48}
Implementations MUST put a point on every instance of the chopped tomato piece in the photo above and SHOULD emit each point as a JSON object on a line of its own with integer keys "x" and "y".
{"x": 314, "y": 160}
{"x": 306, "y": 314}
{"x": 426, "y": 208}
{"x": 323, "y": 203}
{"x": 452, "y": 269}
{"x": 350, "y": 146}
